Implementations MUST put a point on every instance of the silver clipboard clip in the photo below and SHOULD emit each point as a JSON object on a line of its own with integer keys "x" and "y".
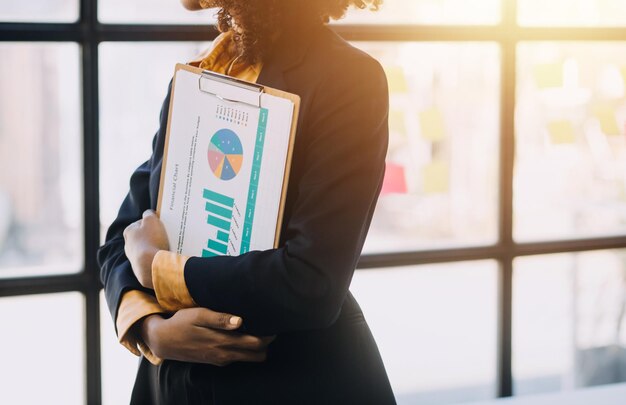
{"x": 254, "y": 100}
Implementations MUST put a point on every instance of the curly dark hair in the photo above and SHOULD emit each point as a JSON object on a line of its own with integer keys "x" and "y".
{"x": 255, "y": 23}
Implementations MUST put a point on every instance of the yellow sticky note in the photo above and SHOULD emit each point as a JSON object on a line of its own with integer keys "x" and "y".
{"x": 605, "y": 114}
{"x": 549, "y": 75}
{"x": 432, "y": 124}
{"x": 396, "y": 79}
{"x": 561, "y": 132}
{"x": 397, "y": 122}
{"x": 435, "y": 178}
{"x": 624, "y": 75}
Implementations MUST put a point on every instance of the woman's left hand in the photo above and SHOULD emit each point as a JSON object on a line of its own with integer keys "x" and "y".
{"x": 143, "y": 239}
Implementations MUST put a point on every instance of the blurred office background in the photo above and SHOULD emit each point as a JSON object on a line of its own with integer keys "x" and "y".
{"x": 496, "y": 261}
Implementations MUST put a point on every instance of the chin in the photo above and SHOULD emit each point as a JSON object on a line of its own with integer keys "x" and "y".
{"x": 191, "y": 4}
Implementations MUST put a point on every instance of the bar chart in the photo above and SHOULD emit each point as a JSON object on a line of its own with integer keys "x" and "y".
{"x": 220, "y": 212}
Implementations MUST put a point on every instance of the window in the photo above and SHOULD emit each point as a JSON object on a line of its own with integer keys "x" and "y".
{"x": 40, "y": 182}
{"x": 571, "y": 116}
{"x": 418, "y": 328}
{"x": 49, "y": 351}
{"x": 568, "y": 320}
{"x": 441, "y": 188}
{"x": 498, "y": 236}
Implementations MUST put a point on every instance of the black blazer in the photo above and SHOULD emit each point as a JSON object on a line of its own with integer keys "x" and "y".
{"x": 324, "y": 353}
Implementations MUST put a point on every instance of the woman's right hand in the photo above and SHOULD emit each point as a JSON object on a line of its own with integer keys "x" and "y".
{"x": 199, "y": 335}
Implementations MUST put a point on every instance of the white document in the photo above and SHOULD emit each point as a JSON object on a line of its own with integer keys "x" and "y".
{"x": 225, "y": 166}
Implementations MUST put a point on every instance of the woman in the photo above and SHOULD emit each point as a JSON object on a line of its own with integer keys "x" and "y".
{"x": 276, "y": 326}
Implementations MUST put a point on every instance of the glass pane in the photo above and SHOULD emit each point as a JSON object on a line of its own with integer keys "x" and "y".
{"x": 435, "y": 327}
{"x": 39, "y": 10}
{"x": 42, "y": 349}
{"x": 119, "y": 366}
{"x": 441, "y": 181}
{"x": 40, "y": 159}
{"x": 573, "y": 13}
{"x": 571, "y": 119}
{"x": 430, "y": 12}
{"x": 568, "y": 321}
{"x": 392, "y": 11}
{"x": 130, "y": 102}
{"x": 151, "y": 12}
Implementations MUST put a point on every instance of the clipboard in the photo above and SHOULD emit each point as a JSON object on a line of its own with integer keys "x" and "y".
{"x": 235, "y": 97}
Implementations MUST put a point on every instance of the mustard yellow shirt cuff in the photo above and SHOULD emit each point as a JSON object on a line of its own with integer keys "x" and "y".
{"x": 168, "y": 278}
{"x": 134, "y": 306}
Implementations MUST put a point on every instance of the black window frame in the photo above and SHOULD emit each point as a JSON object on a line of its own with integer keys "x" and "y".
{"x": 88, "y": 33}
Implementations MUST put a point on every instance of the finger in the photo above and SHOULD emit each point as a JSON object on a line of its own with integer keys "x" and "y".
{"x": 268, "y": 339}
{"x": 245, "y": 342}
{"x": 149, "y": 214}
{"x": 233, "y": 340}
{"x": 129, "y": 229}
{"x": 247, "y": 356}
{"x": 221, "y": 359}
{"x": 210, "y": 319}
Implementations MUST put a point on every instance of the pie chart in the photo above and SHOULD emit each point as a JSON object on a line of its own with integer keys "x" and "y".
{"x": 225, "y": 154}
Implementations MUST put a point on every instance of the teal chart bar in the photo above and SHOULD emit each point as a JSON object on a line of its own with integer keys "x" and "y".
{"x": 254, "y": 181}
{"x": 220, "y": 211}
{"x": 220, "y": 223}
{"x": 222, "y": 236}
{"x": 218, "y": 198}
{"x": 218, "y": 246}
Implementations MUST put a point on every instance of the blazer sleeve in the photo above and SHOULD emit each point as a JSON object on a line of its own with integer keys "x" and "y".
{"x": 116, "y": 273}
{"x": 303, "y": 284}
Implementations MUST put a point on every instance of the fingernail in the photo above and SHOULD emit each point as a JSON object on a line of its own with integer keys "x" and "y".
{"x": 235, "y": 320}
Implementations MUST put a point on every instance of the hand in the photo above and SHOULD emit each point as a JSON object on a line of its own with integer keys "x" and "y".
{"x": 142, "y": 240}
{"x": 199, "y": 335}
